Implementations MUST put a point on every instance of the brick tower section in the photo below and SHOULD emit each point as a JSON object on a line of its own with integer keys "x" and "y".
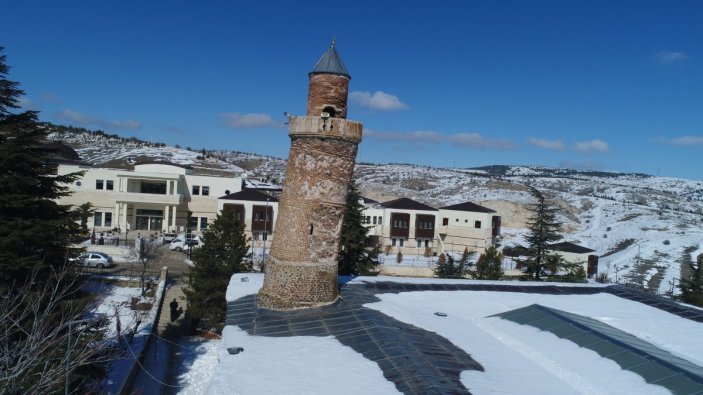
{"x": 301, "y": 270}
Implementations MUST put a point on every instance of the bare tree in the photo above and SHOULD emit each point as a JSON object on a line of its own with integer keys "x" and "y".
{"x": 144, "y": 251}
{"x": 46, "y": 342}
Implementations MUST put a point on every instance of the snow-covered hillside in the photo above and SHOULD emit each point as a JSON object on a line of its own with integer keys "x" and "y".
{"x": 645, "y": 228}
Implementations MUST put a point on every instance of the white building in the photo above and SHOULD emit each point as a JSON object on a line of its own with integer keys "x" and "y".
{"x": 151, "y": 198}
{"x": 412, "y": 227}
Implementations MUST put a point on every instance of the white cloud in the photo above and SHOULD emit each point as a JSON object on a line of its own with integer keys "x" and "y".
{"x": 587, "y": 147}
{"x": 251, "y": 120}
{"x": 468, "y": 139}
{"x": 555, "y": 145}
{"x": 666, "y": 57}
{"x": 378, "y": 100}
{"x": 25, "y": 103}
{"x": 687, "y": 140}
{"x": 80, "y": 119}
{"x": 405, "y": 136}
{"x": 476, "y": 140}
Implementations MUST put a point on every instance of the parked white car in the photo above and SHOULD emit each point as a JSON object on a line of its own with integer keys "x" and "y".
{"x": 94, "y": 259}
{"x": 181, "y": 243}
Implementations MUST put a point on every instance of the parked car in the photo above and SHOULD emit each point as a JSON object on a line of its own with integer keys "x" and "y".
{"x": 94, "y": 259}
{"x": 169, "y": 237}
{"x": 182, "y": 242}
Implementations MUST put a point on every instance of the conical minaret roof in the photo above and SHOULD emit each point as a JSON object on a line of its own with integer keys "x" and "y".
{"x": 330, "y": 63}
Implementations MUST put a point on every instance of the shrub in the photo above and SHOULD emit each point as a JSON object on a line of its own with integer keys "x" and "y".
{"x": 387, "y": 249}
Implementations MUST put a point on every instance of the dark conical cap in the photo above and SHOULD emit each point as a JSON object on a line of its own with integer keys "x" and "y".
{"x": 330, "y": 63}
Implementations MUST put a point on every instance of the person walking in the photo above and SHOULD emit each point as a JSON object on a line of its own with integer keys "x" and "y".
{"x": 174, "y": 309}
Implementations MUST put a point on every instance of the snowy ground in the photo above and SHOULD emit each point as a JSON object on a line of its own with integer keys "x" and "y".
{"x": 518, "y": 359}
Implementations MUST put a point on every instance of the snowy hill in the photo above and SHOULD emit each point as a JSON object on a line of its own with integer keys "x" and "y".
{"x": 645, "y": 228}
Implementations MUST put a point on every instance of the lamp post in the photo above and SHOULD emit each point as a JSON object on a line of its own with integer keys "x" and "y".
{"x": 266, "y": 218}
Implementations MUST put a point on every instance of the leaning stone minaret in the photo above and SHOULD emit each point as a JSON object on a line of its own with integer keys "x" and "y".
{"x": 302, "y": 268}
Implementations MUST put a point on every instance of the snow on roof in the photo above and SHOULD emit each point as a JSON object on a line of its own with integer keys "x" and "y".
{"x": 515, "y": 358}
{"x": 256, "y": 184}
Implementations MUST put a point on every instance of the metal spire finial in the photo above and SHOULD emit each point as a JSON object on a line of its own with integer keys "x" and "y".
{"x": 332, "y": 45}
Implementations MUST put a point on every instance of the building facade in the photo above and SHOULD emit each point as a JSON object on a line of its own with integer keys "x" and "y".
{"x": 151, "y": 198}
{"x": 407, "y": 226}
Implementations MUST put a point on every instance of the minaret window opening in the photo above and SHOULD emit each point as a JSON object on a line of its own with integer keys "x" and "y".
{"x": 330, "y": 110}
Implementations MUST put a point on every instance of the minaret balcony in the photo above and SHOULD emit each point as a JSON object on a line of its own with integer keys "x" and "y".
{"x": 334, "y": 128}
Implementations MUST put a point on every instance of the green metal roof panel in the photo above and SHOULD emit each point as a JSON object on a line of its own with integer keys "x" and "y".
{"x": 655, "y": 365}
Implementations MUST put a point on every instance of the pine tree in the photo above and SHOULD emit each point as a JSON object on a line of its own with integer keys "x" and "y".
{"x": 355, "y": 258}
{"x": 34, "y": 230}
{"x": 40, "y": 295}
{"x": 489, "y": 265}
{"x": 223, "y": 253}
{"x": 543, "y": 230}
{"x": 450, "y": 268}
{"x": 692, "y": 287}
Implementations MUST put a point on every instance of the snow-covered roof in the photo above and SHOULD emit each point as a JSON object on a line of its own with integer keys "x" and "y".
{"x": 392, "y": 334}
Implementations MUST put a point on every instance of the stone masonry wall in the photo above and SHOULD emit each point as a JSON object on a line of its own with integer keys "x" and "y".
{"x": 328, "y": 90}
{"x": 302, "y": 267}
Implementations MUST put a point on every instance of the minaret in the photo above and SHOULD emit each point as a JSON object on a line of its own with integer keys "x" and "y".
{"x": 301, "y": 270}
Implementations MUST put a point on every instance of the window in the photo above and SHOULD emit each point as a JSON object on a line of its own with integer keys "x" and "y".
{"x": 196, "y": 190}
{"x": 205, "y": 191}
{"x": 192, "y": 222}
{"x": 226, "y": 191}
{"x": 374, "y": 220}
{"x": 98, "y": 184}
{"x": 258, "y": 216}
{"x": 264, "y": 236}
{"x": 393, "y": 241}
{"x": 380, "y": 220}
{"x": 368, "y": 219}
{"x": 457, "y": 220}
{"x": 419, "y": 243}
{"x": 445, "y": 221}
{"x": 153, "y": 187}
{"x": 466, "y": 221}
{"x": 108, "y": 219}
{"x": 109, "y": 185}
{"x": 477, "y": 224}
{"x": 424, "y": 224}
{"x": 401, "y": 242}
{"x": 255, "y": 236}
{"x": 427, "y": 243}
{"x": 97, "y": 219}
{"x": 203, "y": 222}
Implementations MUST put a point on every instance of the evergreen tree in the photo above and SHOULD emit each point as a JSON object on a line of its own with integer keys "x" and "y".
{"x": 355, "y": 258}
{"x": 223, "y": 253}
{"x": 85, "y": 211}
{"x": 34, "y": 230}
{"x": 489, "y": 265}
{"x": 41, "y": 296}
{"x": 692, "y": 287}
{"x": 450, "y": 268}
{"x": 543, "y": 230}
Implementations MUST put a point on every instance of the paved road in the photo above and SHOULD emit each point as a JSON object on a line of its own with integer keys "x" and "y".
{"x": 175, "y": 261}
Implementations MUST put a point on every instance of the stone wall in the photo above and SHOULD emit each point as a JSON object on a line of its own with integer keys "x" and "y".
{"x": 302, "y": 267}
{"x": 328, "y": 90}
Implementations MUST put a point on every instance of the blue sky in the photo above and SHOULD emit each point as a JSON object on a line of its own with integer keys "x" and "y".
{"x": 599, "y": 84}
